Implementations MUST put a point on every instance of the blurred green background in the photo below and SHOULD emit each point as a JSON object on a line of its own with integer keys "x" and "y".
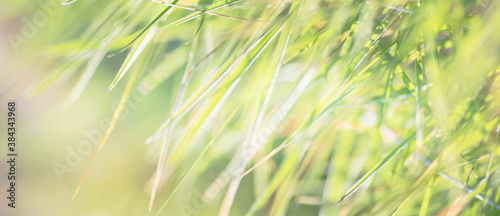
{"x": 366, "y": 107}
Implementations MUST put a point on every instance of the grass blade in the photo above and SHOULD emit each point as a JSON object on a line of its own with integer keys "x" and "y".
{"x": 374, "y": 169}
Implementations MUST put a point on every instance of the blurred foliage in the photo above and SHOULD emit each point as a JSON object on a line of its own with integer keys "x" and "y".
{"x": 276, "y": 107}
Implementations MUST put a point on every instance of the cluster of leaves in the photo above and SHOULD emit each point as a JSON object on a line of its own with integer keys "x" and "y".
{"x": 326, "y": 107}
